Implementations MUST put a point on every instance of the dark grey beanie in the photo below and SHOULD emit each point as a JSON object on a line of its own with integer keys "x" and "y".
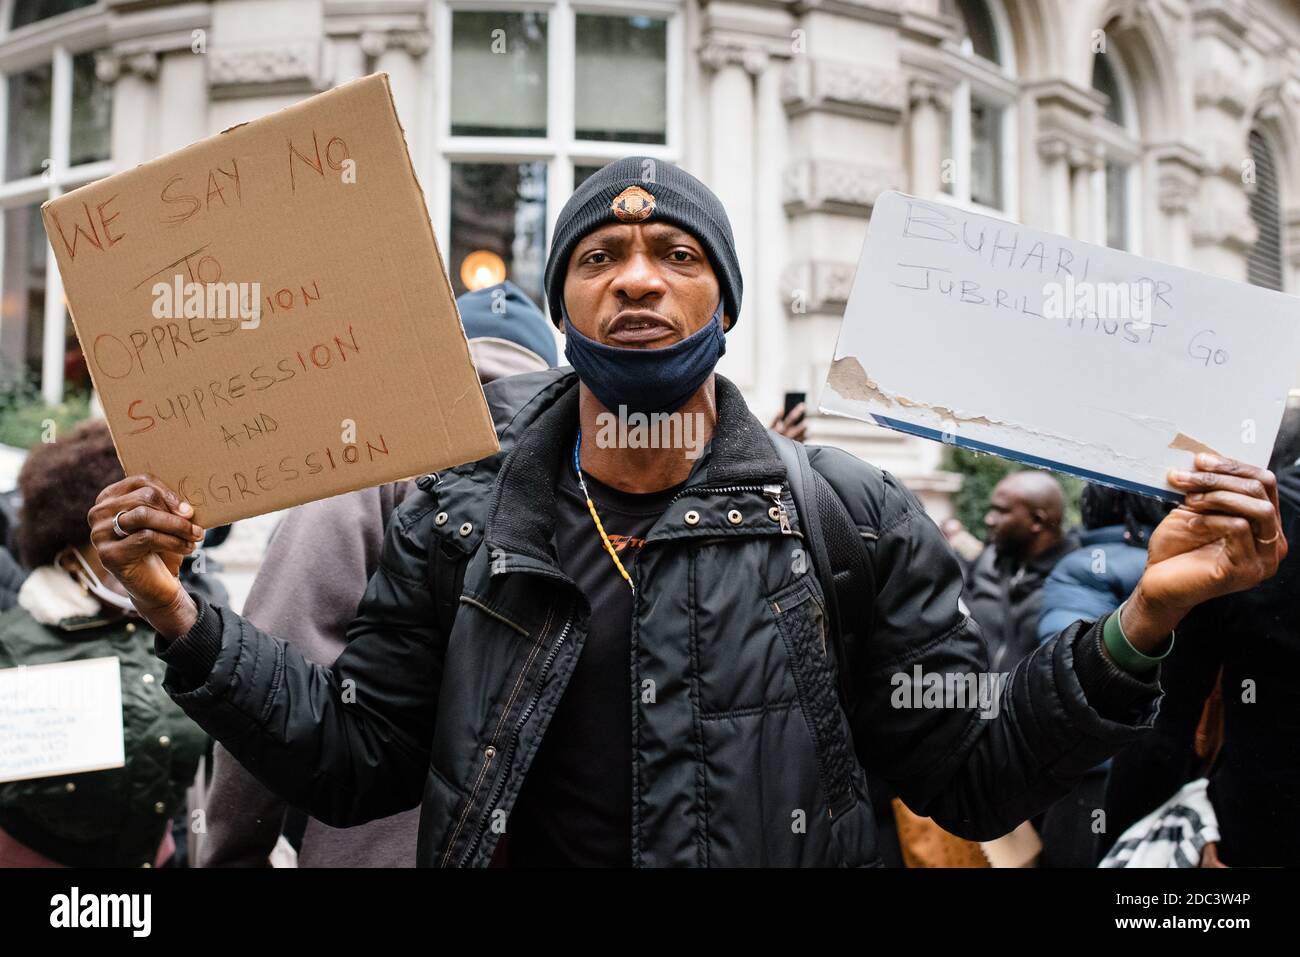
{"x": 638, "y": 189}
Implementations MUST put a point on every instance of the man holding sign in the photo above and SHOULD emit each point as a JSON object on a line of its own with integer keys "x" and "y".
{"x": 614, "y": 652}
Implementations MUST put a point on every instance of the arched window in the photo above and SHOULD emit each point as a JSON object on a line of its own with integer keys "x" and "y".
{"x": 977, "y": 33}
{"x": 1264, "y": 264}
{"x": 1116, "y": 183}
{"x": 1105, "y": 81}
{"x": 978, "y": 133}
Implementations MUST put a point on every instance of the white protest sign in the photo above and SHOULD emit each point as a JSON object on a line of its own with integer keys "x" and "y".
{"x": 982, "y": 333}
{"x": 61, "y": 718}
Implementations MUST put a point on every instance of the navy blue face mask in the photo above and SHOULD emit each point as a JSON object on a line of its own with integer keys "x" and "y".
{"x": 646, "y": 380}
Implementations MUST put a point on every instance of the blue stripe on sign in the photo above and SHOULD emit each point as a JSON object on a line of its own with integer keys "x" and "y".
{"x": 948, "y": 438}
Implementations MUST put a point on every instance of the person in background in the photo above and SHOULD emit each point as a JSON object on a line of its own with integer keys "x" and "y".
{"x": 1231, "y": 710}
{"x": 1087, "y": 583}
{"x": 71, "y": 609}
{"x": 312, "y": 577}
{"x": 793, "y": 425}
{"x": 1025, "y": 542}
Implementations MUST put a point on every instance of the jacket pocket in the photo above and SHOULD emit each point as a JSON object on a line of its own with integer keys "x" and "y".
{"x": 801, "y": 620}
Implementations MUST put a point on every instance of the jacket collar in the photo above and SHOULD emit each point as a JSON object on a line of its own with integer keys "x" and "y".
{"x": 521, "y": 518}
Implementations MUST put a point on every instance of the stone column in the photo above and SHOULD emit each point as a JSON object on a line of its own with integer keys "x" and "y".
{"x": 398, "y": 54}
{"x": 1083, "y": 221}
{"x": 731, "y": 171}
{"x": 182, "y": 100}
{"x": 1222, "y": 231}
{"x": 1178, "y": 175}
{"x": 1054, "y": 214}
{"x": 135, "y": 113}
{"x": 349, "y": 60}
{"x": 929, "y": 104}
{"x": 772, "y": 377}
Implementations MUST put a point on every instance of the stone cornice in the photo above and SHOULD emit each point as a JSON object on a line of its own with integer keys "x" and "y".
{"x": 1222, "y": 89}
{"x": 929, "y": 89}
{"x": 888, "y": 12}
{"x": 1066, "y": 115}
{"x": 925, "y": 29}
{"x": 1234, "y": 231}
{"x": 1227, "y": 19}
{"x": 110, "y": 65}
{"x": 1061, "y": 94}
{"x": 716, "y": 54}
{"x": 1291, "y": 227}
{"x": 842, "y": 86}
{"x": 1179, "y": 169}
{"x": 294, "y": 65}
{"x": 836, "y": 186}
{"x": 373, "y": 8}
{"x": 816, "y": 286}
{"x": 376, "y": 42}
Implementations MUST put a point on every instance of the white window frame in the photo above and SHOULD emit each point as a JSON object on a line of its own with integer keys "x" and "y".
{"x": 559, "y": 148}
{"x": 55, "y": 40}
{"x": 1120, "y": 144}
{"x": 977, "y": 78}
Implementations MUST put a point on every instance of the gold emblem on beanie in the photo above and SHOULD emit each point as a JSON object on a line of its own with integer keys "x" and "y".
{"x": 632, "y": 205}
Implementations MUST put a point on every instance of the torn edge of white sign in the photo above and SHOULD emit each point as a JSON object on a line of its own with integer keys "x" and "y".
{"x": 850, "y": 382}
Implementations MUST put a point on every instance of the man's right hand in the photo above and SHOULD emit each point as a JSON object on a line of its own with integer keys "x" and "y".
{"x": 148, "y": 560}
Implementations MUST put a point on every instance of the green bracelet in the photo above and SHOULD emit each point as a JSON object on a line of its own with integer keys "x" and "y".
{"x": 1122, "y": 650}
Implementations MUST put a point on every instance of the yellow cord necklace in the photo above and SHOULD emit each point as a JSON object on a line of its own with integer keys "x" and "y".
{"x": 591, "y": 507}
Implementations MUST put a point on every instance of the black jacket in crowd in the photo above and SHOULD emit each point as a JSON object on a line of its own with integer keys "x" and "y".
{"x": 1006, "y": 596}
{"x": 744, "y": 756}
{"x": 1254, "y": 637}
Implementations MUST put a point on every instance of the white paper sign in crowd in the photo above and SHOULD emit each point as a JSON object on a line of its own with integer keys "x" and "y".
{"x": 986, "y": 334}
{"x": 60, "y": 719}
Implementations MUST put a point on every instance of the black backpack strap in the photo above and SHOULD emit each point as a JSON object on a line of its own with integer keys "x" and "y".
{"x": 838, "y": 555}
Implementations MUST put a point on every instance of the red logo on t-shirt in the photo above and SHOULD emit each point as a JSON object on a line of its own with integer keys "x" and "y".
{"x": 622, "y": 541}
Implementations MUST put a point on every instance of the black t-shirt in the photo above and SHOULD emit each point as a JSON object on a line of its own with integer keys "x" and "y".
{"x": 575, "y": 807}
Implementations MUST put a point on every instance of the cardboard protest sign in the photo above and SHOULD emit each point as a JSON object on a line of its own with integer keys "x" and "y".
{"x": 985, "y": 334}
{"x": 61, "y": 718}
{"x": 266, "y": 315}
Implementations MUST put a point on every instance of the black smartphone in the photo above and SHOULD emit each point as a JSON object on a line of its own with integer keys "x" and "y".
{"x": 791, "y": 400}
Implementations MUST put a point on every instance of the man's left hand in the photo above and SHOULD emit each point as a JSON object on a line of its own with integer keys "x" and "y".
{"x": 1225, "y": 537}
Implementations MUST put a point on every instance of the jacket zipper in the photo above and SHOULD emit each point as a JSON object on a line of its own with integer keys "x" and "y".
{"x": 771, "y": 491}
{"x": 489, "y": 754}
{"x": 514, "y": 740}
{"x": 774, "y": 493}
